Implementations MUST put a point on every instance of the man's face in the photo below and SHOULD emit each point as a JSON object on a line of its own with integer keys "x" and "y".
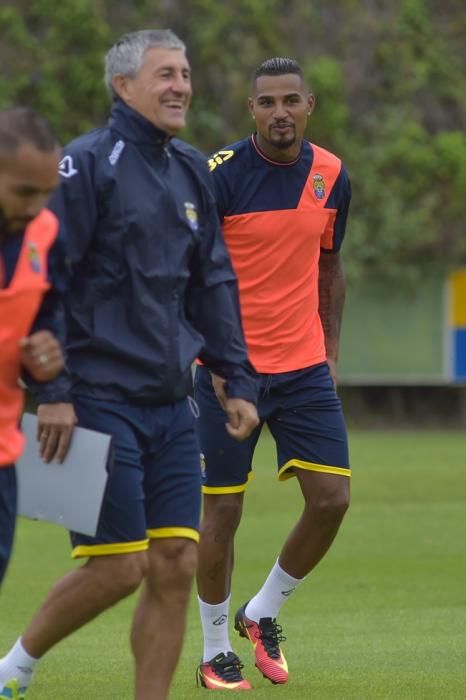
{"x": 161, "y": 90}
{"x": 27, "y": 179}
{"x": 281, "y": 105}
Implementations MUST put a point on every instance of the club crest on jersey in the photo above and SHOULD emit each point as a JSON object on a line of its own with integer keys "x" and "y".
{"x": 33, "y": 257}
{"x": 319, "y": 186}
{"x": 191, "y": 215}
{"x": 219, "y": 158}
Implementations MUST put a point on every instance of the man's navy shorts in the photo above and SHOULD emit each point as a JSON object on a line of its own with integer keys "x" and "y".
{"x": 154, "y": 485}
{"x": 304, "y": 415}
{"x": 7, "y": 515}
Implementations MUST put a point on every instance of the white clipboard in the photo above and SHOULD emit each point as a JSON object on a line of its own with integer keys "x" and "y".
{"x": 68, "y": 494}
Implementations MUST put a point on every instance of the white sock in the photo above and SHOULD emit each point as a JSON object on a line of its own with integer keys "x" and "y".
{"x": 17, "y": 664}
{"x": 214, "y": 619}
{"x": 277, "y": 588}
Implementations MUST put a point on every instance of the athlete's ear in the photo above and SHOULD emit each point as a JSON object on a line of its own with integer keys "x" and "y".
{"x": 311, "y": 101}
{"x": 251, "y": 107}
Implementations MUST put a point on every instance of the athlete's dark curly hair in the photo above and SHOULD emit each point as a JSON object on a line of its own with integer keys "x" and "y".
{"x": 277, "y": 66}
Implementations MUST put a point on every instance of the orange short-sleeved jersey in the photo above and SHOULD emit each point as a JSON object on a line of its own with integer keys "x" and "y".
{"x": 19, "y": 304}
{"x": 276, "y": 219}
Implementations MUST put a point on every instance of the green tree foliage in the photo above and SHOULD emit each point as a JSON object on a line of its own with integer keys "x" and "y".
{"x": 52, "y": 57}
{"x": 389, "y": 80}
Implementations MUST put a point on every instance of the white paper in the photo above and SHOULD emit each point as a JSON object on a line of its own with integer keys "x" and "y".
{"x": 68, "y": 494}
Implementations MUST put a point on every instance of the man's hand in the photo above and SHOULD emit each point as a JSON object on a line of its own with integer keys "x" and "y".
{"x": 242, "y": 418}
{"x": 242, "y": 415}
{"x": 54, "y": 430}
{"x": 42, "y": 356}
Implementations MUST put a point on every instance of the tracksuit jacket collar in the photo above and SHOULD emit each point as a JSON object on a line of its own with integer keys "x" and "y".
{"x": 134, "y": 126}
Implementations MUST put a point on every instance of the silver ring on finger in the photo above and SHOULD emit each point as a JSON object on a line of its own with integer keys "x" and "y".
{"x": 43, "y": 359}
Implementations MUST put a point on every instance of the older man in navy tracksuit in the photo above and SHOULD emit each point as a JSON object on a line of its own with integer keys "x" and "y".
{"x": 151, "y": 289}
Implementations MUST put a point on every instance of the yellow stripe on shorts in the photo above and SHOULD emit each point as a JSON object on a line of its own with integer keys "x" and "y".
{"x": 164, "y": 532}
{"x": 99, "y": 550}
{"x": 285, "y": 472}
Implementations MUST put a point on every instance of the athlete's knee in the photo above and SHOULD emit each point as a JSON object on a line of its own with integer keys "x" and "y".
{"x": 222, "y": 514}
{"x": 331, "y": 507}
{"x": 330, "y": 500}
{"x": 172, "y": 564}
{"x": 119, "y": 574}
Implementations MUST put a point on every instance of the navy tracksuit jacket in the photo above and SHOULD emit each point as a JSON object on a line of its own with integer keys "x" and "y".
{"x": 151, "y": 283}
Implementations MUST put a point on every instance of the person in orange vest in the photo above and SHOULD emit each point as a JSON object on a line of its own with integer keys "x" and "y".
{"x": 283, "y": 202}
{"x": 29, "y": 299}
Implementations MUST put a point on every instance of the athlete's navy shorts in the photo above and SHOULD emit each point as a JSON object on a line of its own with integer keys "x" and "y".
{"x": 154, "y": 485}
{"x": 304, "y": 415}
{"x": 7, "y": 515}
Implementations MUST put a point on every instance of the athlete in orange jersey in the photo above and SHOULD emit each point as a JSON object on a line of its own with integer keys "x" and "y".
{"x": 283, "y": 202}
{"x": 29, "y": 156}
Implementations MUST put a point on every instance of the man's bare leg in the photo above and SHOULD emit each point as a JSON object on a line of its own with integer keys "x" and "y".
{"x": 222, "y": 515}
{"x": 75, "y": 599}
{"x": 326, "y": 500}
{"x": 80, "y": 596}
{"x": 160, "y": 618}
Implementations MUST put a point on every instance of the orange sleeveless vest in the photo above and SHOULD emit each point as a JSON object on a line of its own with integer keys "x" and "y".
{"x": 19, "y": 304}
{"x": 275, "y": 255}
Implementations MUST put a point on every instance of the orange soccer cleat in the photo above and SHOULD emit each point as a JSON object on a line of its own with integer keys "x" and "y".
{"x": 223, "y": 672}
{"x": 265, "y": 637}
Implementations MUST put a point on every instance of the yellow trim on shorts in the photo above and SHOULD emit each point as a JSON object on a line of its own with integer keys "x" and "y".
{"x": 162, "y": 532}
{"x": 219, "y": 490}
{"x": 99, "y": 550}
{"x": 285, "y": 474}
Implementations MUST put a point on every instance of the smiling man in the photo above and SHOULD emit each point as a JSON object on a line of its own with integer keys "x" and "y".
{"x": 283, "y": 202}
{"x": 151, "y": 289}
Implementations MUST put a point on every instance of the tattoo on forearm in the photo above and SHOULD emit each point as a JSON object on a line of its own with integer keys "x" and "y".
{"x": 332, "y": 287}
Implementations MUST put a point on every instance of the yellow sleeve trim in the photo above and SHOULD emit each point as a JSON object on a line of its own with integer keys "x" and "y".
{"x": 163, "y": 532}
{"x": 285, "y": 472}
{"x": 99, "y": 550}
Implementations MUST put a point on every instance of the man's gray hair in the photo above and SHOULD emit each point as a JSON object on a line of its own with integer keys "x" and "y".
{"x": 127, "y": 55}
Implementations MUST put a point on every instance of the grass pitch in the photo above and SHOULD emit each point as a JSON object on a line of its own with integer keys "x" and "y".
{"x": 383, "y": 616}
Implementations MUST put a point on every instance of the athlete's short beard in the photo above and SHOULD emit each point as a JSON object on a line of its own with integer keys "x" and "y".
{"x": 3, "y": 221}
{"x": 5, "y": 224}
{"x": 284, "y": 143}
